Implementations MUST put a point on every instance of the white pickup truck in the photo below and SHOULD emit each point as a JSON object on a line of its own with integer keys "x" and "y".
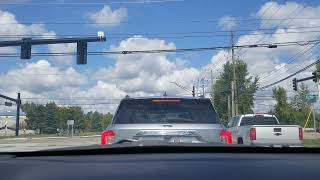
{"x": 265, "y": 130}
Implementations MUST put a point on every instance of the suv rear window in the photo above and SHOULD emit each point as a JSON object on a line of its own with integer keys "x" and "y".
{"x": 258, "y": 120}
{"x": 159, "y": 111}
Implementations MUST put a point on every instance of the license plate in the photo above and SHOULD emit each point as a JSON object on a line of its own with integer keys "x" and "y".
{"x": 177, "y": 140}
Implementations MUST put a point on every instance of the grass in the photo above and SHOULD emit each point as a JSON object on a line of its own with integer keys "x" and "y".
{"x": 311, "y": 142}
{"x": 53, "y": 135}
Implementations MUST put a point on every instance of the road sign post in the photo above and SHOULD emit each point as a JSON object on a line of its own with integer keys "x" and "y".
{"x": 312, "y": 98}
{"x": 70, "y": 123}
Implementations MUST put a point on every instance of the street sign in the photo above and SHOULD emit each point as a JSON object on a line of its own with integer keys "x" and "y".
{"x": 312, "y": 98}
{"x": 70, "y": 122}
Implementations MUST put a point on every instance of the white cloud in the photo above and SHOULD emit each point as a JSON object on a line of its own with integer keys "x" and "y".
{"x": 40, "y": 77}
{"x": 63, "y": 48}
{"x": 10, "y": 26}
{"x": 227, "y": 22}
{"x": 272, "y": 63}
{"x": 288, "y": 10}
{"x": 146, "y": 74}
{"x": 107, "y": 17}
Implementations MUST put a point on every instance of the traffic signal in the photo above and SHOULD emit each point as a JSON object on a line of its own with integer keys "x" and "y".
{"x": 82, "y": 52}
{"x": 295, "y": 84}
{"x": 315, "y": 76}
{"x": 25, "y": 48}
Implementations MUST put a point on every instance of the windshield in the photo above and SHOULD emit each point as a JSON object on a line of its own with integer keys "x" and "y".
{"x": 258, "y": 120}
{"x": 179, "y": 111}
{"x": 76, "y": 73}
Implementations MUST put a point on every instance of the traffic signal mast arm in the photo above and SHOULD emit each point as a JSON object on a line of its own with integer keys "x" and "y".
{"x": 8, "y": 98}
{"x": 27, "y": 43}
{"x": 315, "y": 77}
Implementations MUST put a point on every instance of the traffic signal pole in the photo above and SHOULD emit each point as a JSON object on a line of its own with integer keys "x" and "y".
{"x": 18, "y": 102}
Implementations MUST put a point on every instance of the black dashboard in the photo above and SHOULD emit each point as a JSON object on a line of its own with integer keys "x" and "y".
{"x": 139, "y": 166}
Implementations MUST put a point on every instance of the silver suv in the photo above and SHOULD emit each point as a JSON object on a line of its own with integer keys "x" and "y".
{"x": 164, "y": 119}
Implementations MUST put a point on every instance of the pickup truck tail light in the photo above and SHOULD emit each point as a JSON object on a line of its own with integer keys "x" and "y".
{"x": 300, "y": 134}
{"x": 107, "y": 137}
{"x": 225, "y": 137}
{"x": 253, "y": 134}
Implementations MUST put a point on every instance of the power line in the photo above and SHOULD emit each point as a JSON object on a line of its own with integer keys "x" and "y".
{"x": 280, "y": 44}
{"x": 163, "y": 35}
{"x": 291, "y": 75}
{"x": 90, "y": 3}
{"x": 291, "y": 60}
{"x": 264, "y": 36}
{"x": 296, "y": 66}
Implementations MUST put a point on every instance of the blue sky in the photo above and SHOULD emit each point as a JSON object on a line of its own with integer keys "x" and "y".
{"x": 115, "y": 76}
{"x": 167, "y": 17}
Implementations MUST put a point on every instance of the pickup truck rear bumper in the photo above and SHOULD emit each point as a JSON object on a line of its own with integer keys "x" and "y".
{"x": 277, "y": 144}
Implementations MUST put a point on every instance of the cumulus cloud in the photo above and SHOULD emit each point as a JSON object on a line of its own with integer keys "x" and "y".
{"x": 106, "y": 17}
{"x": 40, "y": 77}
{"x": 10, "y": 26}
{"x": 227, "y": 22}
{"x": 146, "y": 74}
{"x": 274, "y": 64}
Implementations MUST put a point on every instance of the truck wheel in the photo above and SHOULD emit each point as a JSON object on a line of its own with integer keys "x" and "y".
{"x": 240, "y": 141}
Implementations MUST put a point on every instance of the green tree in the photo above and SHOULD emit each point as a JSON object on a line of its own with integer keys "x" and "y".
{"x": 300, "y": 105}
{"x": 50, "y": 120}
{"x": 106, "y": 120}
{"x": 246, "y": 87}
{"x": 282, "y": 108}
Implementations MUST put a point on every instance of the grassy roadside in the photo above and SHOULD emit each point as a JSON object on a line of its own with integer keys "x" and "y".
{"x": 311, "y": 142}
{"x": 52, "y": 135}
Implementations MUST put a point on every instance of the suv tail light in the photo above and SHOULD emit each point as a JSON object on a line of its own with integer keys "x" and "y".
{"x": 107, "y": 137}
{"x": 300, "y": 134}
{"x": 225, "y": 137}
{"x": 253, "y": 134}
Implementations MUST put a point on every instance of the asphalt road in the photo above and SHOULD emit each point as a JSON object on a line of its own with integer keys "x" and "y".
{"x": 42, "y": 143}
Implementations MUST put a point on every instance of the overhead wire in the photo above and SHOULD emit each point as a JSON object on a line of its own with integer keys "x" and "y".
{"x": 278, "y": 25}
{"x": 177, "y": 50}
{"x": 291, "y": 75}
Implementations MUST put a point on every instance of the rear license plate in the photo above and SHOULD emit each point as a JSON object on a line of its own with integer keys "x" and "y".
{"x": 277, "y": 129}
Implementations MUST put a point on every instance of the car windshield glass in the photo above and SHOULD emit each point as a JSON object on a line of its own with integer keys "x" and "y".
{"x": 258, "y": 120}
{"x": 182, "y": 111}
{"x": 72, "y": 70}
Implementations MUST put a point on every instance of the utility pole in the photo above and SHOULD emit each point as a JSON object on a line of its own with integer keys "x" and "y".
{"x": 18, "y": 114}
{"x": 211, "y": 76}
{"x": 232, "y": 99}
{"x": 202, "y": 86}
{"x": 229, "y": 116}
{"x": 235, "y": 105}
{"x": 314, "y": 119}
{"x": 193, "y": 91}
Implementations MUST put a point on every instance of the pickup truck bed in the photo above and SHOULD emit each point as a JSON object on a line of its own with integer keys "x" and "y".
{"x": 265, "y": 130}
{"x": 284, "y": 135}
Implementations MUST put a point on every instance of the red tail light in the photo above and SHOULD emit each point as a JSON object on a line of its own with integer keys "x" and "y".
{"x": 300, "y": 134}
{"x": 225, "y": 137}
{"x": 107, "y": 137}
{"x": 253, "y": 134}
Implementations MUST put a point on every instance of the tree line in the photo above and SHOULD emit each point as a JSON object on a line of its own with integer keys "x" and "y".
{"x": 292, "y": 110}
{"x": 50, "y": 118}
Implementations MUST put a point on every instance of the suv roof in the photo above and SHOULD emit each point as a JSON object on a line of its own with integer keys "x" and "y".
{"x": 166, "y": 97}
